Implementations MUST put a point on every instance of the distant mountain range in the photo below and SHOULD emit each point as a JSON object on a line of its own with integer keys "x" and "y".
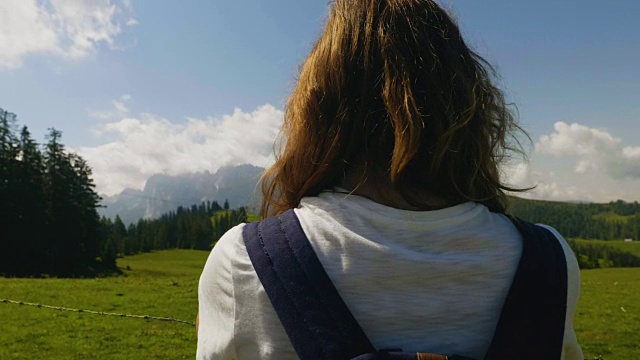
{"x": 164, "y": 193}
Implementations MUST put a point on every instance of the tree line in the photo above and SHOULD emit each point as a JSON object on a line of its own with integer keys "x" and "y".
{"x": 615, "y": 220}
{"x": 197, "y": 227}
{"x": 47, "y": 207}
{"x": 599, "y": 255}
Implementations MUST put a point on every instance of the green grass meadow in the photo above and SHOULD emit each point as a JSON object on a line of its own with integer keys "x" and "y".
{"x": 607, "y": 322}
{"x": 160, "y": 284}
{"x": 165, "y": 284}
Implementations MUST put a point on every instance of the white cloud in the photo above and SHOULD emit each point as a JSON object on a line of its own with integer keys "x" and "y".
{"x": 576, "y": 139}
{"x": 517, "y": 174}
{"x": 120, "y": 106}
{"x": 554, "y": 191}
{"x": 544, "y": 184}
{"x": 631, "y": 153}
{"x": 69, "y": 29}
{"x": 120, "y": 110}
{"x": 591, "y": 165}
{"x": 147, "y": 144}
{"x": 592, "y": 149}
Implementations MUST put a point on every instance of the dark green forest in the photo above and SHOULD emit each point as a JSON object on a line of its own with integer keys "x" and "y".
{"x": 47, "y": 208}
{"x": 616, "y": 220}
{"x": 197, "y": 227}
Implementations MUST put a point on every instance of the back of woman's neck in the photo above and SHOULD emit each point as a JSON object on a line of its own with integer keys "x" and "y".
{"x": 383, "y": 192}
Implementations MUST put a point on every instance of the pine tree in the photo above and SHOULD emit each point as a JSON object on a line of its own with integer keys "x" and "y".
{"x": 118, "y": 234}
{"x": 75, "y": 240}
{"x": 131, "y": 245}
{"x": 86, "y": 204}
{"x": 48, "y": 208}
{"x": 9, "y": 152}
{"x": 32, "y": 222}
{"x": 62, "y": 245}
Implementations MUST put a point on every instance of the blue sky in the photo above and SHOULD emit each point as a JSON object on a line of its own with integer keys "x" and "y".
{"x": 144, "y": 86}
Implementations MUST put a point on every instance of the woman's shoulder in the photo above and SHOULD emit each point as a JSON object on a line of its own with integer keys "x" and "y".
{"x": 218, "y": 269}
{"x": 225, "y": 247}
{"x": 572, "y": 262}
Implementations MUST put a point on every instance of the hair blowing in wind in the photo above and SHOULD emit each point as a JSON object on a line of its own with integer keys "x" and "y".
{"x": 391, "y": 92}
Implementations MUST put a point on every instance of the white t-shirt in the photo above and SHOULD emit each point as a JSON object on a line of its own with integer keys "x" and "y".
{"x": 430, "y": 281}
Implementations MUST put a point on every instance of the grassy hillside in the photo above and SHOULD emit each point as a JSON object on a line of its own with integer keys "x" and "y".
{"x": 612, "y": 217}
{"x": 165, "y": 284}
{"x": 630, "y": 247}
{"x": 251, "y": 217}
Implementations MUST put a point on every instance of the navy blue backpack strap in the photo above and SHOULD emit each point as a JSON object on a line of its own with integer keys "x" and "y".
{"x": 314, "y": 316}
{"x": 531, "y": 324}
{"x": 320, "y": 326}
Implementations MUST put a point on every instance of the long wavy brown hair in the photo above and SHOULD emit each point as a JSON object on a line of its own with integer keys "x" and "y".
{"x": 392, "y": 90}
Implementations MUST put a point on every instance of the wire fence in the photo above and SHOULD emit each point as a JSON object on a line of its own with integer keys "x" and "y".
{"x": 122, "y": 315}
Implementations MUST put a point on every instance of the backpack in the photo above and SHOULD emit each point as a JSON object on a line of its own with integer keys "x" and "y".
{"x": 320, "y": 326}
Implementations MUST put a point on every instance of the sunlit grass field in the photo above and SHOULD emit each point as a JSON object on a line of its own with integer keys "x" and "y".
{"x": 165, "y": 284}
{"x": 608, "y": 318}
{"x": 160, "y": 284}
